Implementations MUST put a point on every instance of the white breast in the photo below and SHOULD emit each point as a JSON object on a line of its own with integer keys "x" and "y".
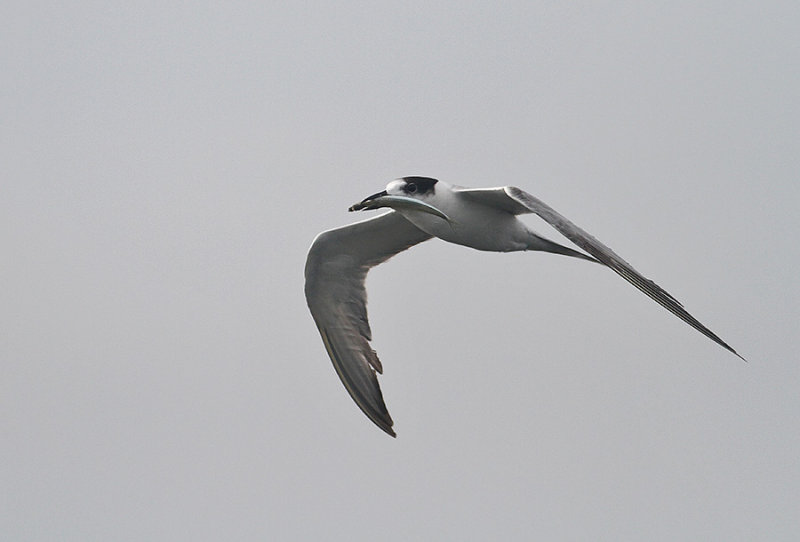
{"x": 471, "y": 224}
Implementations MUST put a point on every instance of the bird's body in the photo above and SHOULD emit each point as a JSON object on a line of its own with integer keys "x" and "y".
{"x": 485, "y": 227}
{"x": 476, "y": 226}
{"x": 484, "y": 219}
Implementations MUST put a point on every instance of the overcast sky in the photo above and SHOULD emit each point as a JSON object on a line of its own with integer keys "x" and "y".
{"x": 165, "y": 167}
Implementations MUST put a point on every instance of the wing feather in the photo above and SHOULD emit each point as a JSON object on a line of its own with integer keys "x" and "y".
{"x": 517, "y": 202}
{"x": 608, "y": 257}
{"x": 336, "y": 269}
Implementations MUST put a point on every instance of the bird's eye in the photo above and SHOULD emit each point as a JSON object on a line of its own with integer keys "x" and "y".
{"x": 411, "y": 188}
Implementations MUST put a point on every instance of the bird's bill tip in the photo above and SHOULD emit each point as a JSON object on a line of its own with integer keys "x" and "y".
{"x": 382, "y": 199}
{"x": 370, "y": 202}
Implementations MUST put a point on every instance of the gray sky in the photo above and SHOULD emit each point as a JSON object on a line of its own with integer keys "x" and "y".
{"x": 165, "y": 168}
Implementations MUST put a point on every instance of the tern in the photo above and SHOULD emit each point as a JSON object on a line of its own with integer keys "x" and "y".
{"x": 423, "y": 208}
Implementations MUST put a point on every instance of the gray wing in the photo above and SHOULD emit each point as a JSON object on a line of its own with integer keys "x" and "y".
{"x": 336, "y": 268}
{"x": 517, "y": 201}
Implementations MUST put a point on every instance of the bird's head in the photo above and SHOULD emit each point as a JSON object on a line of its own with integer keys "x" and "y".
{"x": 408, "y": 193}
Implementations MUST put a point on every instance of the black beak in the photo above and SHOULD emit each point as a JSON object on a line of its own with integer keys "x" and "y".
{"x": 365, "y": 203}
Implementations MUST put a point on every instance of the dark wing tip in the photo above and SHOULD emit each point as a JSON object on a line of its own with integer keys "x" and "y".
{"x": 366, "y": 393}
{"x": 381, "y": 419}
{"x": 737, "y": 354}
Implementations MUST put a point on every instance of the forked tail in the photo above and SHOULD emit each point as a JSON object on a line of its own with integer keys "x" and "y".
{"x": 537, "y": 242}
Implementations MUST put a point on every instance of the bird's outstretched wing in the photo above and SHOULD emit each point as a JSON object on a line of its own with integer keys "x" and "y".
{"x": 518, "y": 201}
{"x": 336, "y": 268}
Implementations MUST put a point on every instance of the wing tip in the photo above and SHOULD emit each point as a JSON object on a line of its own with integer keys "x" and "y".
{"x": 384, "y": 423}
{"x": 374, "y": 406}
{"x": 737, "y": 354}
{"x": 383, "y": 420}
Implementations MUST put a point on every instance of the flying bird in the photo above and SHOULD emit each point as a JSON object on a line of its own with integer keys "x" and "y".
{"x": 423, "y": 208}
